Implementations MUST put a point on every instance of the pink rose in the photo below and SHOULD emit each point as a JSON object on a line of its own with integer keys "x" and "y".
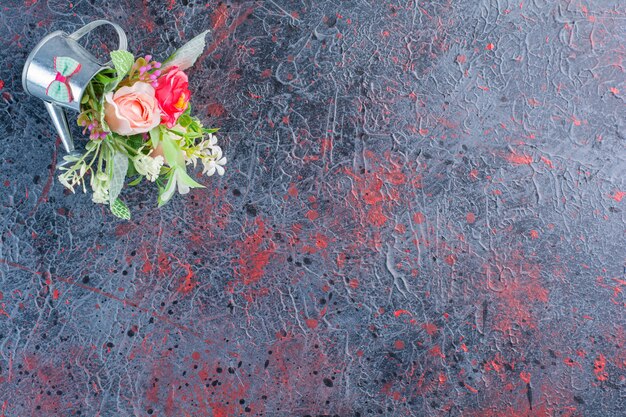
{"x": 132, "y": 110}
{"x": 172, "y": 93}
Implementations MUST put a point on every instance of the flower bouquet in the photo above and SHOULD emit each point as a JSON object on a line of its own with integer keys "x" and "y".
{"x": 140, "y": 126}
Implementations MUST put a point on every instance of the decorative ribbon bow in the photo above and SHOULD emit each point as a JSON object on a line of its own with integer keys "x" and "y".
{"x": 59, "y": 89}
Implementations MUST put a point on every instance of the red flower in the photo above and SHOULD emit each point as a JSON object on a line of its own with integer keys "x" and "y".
{"x": 172, "y": 93}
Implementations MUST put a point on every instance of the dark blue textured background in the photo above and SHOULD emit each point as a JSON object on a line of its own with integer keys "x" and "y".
{"x": 422, "y": 215}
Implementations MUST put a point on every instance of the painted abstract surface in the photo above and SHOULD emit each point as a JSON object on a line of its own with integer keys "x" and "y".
{"x": 423, "y": 215}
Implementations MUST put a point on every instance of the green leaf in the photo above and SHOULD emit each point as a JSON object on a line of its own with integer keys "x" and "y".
{"x": 120, "y": 209}
{"x": 122, "y": 61}
{"x": 134, "y": 182}
{"x": 165, "y": 193}
{"x": 132, "y": 171}
{"x": 103, "y": 123}
{"x": 184, "y": 120}
{"x": 135, "y": 141}
{"x": 187, "y": 180}
{"x": 155, "y": 137}
{"x": 91, "y": 145}
{"x": 117, "y": 175}
{"x": 187, "y": 54}
{"x": 71, "y": 158}
{"x": 172, "y": 152}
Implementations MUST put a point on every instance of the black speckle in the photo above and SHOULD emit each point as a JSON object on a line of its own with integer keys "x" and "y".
{"x": 251, "y": 210}
{"x": 328, "y": 382}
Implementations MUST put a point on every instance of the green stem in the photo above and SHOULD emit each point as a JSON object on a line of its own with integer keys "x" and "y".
{"x": 121, "y": 143}
{"x": 100, "y": 161}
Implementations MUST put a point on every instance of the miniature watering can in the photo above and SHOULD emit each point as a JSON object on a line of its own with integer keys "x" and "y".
{"x": 59, "y": 70}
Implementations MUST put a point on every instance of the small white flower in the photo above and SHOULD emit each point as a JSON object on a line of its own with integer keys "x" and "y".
{"x": 177, "y": 182}
{"x": 210, "y": 154}
{"x": 66, "y": 183}
{"x": 211, "y": 141}
{"x": 73, "y": 176}
{"x": 100, "y": 196}
{"x": 148, "y": 166}
{"x": 100, "y": 187}
{"x": 214, "y": 162}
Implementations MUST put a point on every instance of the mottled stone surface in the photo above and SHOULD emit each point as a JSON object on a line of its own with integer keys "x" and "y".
{"x": 422, "y": 215}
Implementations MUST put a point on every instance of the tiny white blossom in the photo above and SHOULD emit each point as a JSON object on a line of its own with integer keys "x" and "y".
{"x": 211, "y": 141}
{"x": 214, "y": 162}
{"x": 100, "y": 196}
{"x": 176, "y": 182}
{"x": 66, "y": 183}
{"x": 148, "y": 166}
{"x": 210, "y": 154}
{"x": 100, "y": 187}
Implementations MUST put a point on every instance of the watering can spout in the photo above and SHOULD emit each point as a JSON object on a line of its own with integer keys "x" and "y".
{"x": 59, "y": 119}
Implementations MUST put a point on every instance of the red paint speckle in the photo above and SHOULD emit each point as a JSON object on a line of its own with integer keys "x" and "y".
{"x": 398, "y": 344}
{"x": 618, "y": 195}
{"x": 451, "y": 260}
{"x": 430, "y": 328}
{"x": 470, "y": 217}
{"x": 398, "y": 313}
{"x": 518, "y": 159}
{"x": 436, "y": 351}
{"x": 312, "y": 215}
{"x": 419, "y": 217}
{"x": 599, "y": 366}
{"x": 255, "y": 252}
{"x": 490, "y": 46}
{"x": 376, "y": 217}
{"x": 442, "y": 378}
{"x": 218, "y": 19}
{"x": 216, "y": 109}
{"x": 547, "y": 161}
{"x": 525, "y": 376}
{"x": 311, "y": 323}
{"x": 321, "y": 241}
{"x": 292, "y": 191}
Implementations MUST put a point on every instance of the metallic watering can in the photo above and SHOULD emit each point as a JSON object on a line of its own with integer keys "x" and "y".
{"x": 59, "y": 70}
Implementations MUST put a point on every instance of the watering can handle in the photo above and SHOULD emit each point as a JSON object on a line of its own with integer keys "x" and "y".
{"x": 123, "y": 45}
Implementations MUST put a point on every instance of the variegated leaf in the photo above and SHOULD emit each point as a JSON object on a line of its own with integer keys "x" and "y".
{"x": 187, "y": 54}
